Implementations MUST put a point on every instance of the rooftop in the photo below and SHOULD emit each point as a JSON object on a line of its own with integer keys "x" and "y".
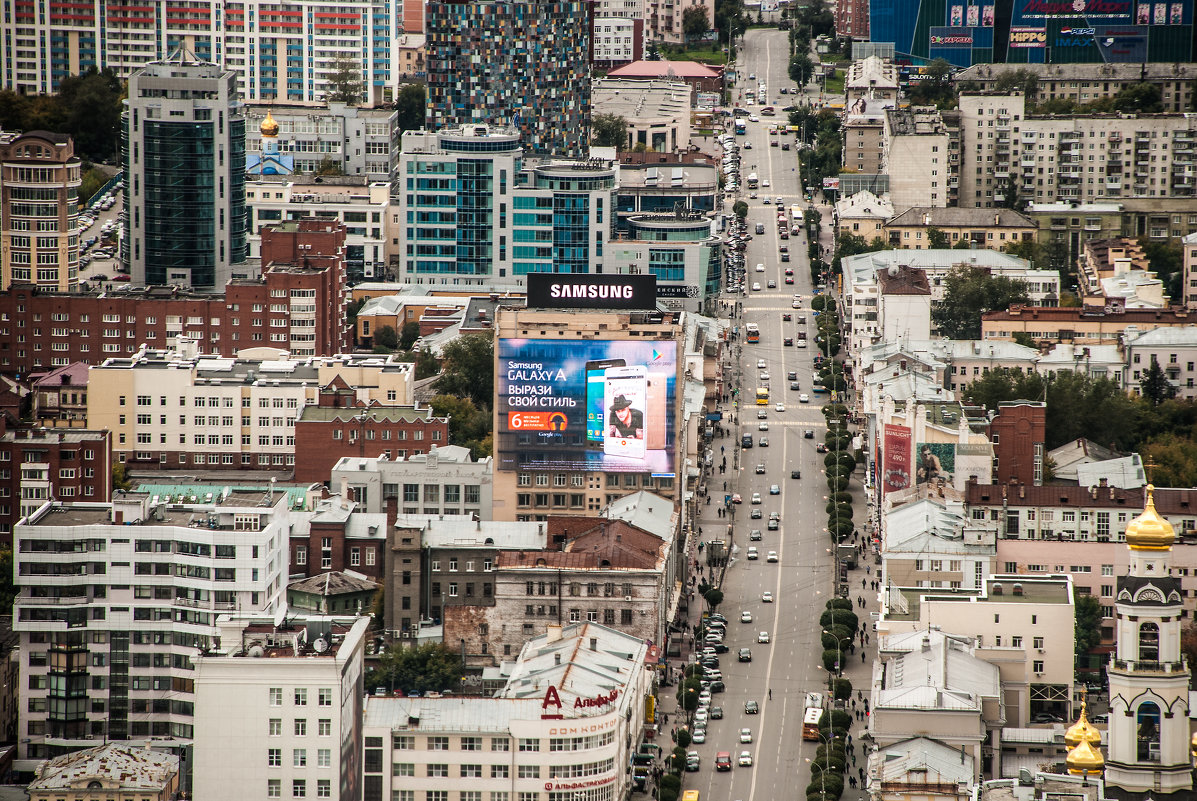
{"x": 664, "y": 69}
{"x": 594, "y": 544}
{"x": 959, "y": 217}
{"x": 904, "y": 281}
{"x": 375, "y": 413}
{"x": 462, "y": 531}
{"x": 113, "y": 765}
{"x": 639, "y": 99}
{"x": 583, "y": 660}
{"x": 477, "y": 715}
{"x": 905, "y": 603}
{"x": 74, "y": 374}
{"x": 1170, "y": 336}
{"x": 1074, "y": 314}
{"x": 1135, "y": 73}
{"x": 298, "y": 636}
{"x": 334, "y": 582}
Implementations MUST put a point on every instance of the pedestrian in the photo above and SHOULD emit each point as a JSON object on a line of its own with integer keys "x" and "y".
{"x": 852, "y": 782}
{"x": 862, "y": 584}
{"x": 862, "y": 774}
{"x": 862, "y": 657}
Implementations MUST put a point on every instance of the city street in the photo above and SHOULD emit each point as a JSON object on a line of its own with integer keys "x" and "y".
{"x": 801, "y": 581}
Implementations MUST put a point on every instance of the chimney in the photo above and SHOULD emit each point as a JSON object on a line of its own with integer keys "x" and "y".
{"x": 1022, "y": 491}
{"x": 594, "y": 643}
{"x": 1101, "y": 482}
{"x": 553, "y": 632}
{"x": 344, "y": 493}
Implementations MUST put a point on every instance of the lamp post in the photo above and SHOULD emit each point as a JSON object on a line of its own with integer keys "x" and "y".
{"x": 827, "y": 741}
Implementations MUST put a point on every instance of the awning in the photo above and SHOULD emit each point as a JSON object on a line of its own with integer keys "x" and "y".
{"x": 714, "y": 415}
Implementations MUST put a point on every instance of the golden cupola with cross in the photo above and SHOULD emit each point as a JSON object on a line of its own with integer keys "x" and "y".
{"x": 1149, "y": 531}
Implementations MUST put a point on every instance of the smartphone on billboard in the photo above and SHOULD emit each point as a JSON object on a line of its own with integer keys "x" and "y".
{"x": 654, "y": 414}
{"x": 625, "y": 395}
{"x": 596, "y": 397}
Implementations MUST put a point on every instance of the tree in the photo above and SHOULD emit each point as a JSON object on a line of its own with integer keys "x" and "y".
{"x": 91, "y": 109}
{"x": 386, "y": 338}
{"x": 969, "y": 293}
{"x": 713, "y": 597}
{"x": 120, "y": 478}
{"x": 801, "y": 68}
{"x": 426, "y": 668}
{"x": 740, "y": 209}
{"x": 1019, "y": 80}
{"x": 411, "y": 104}
{"x": 468, "y": 370}
{"x": 329, "y": 167}
{"x": 409, "y": 335}
{"x": 695, "y": 23}
{"x": 426, "y": 365}
{"x": 344, "y": 80}
{"x": 611, "y": 130}
{"x": 1155, "y": 385}
{"x": 937, "y": 239}
{"x": 1139, "y": 98}
{"x": 1088, "y": 623}
{"x": 469, "y": 426}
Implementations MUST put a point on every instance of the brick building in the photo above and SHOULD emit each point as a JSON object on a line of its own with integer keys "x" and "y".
{"x": 37, "y": 464}
{"x": 297, "y": 304}
{"x": 60, "y": 396}
{"x": 341, "y": 425}
{"x": 1018, "y": 433}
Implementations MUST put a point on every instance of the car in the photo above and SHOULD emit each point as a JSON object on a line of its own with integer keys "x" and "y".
{"x": 767, "y": 201}
{"x": 756, "y": 287}
{"x": 802, "y": 343}
{"x": 795, "y": 474}
{"x": 723, "y": 761}
{"x": 784, "y": 258}
{"x": 699, "y": 735}
{"x": 716, "y": 713}
{"x": 720, "y": 648}
{"x": 704, "y": 697}
{"x": 700, "y": 714}
{"x": 745, "y": 759}
{"x": 745, "y": 616}
{"x": 752, "y": 76}
{"x": 756, "y": 514}
{"x": 762, "y": 414}
{"x": 753, "y": 118}
{"x": 754, "y": 535}
{"x": 763, "y": 425}
{"x": 796, "y": 305}
{"x": 785, "y": 145}
{"x": 748, "y": 145}
{"x": 718, "y": 686}
{"x": 804, "y": 398}
{"x": 821, "y": 448}
{"x": 122, "y": 278}
{"x": 774, "y": 525}
{"x": 771, "y": 284}
{"x": 766, "y": 598}
{"x": 763, "y": 637}
{"x": 788, "y": 342}
{"x": 745, "y": 735}
{"x": 693, "y": 762}
{"x": 792, "y": 375}
{"x": 772, "y": 143}
{"x": 772, "y": 557}
{"x": 774, "y": 489}
{"x": 764, "y": 376}
{"x": 764, "y": 182}
{"x": 745, "y": 655}
{"x": 789, "y": 278}
{"x": 735, "y": 498}
{"x": 779, "y": 407}
{"x": 764, "y": 442}
{"x": 794, "y": 385}
{"x": 808, "y": 433}
{"x": 712, "y": 675}
{"x": 760, "y": 268}
{"x": 761, "y": 364}
{"x": 756, "y": 497}
{"x": 760, "y": 469}
{"x": 752, "y": 553}
{"x": 785, "y": 318}
{"x": 1047, "y": 717}
{"x": 99, "y": 277}
{"x": 751, "y": 707}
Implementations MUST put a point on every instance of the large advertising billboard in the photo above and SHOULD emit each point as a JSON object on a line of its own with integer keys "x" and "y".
{"x": 895, "y": 470}
{"x": 604, "y": 405}
{"x": 935, "y": 461}
{"x": 591, "y": 291}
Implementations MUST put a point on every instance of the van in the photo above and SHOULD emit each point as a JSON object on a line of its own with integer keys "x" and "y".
{"x": 723, "y": 761}
{"x": 746, "y": 441}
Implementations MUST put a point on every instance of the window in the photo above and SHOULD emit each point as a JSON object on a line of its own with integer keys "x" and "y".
{"x": 500, "y": 744}
{"x": 1037, "y": 642}
{"x": 471, "y": 771}
{"x": 299, "y": 788}
{"x": 276, "y": 696}
{"x": 500, "y": 771}
{"x": 276, "y": 727}
{"x": 438, "y": 771}
{"x": 301, "y": 696}
{"x": 403, "y": 769}
{"x": 274, "y": 788}
{"x": 471, "y": 743}
{"x": 1037, "y": 665}
{"x": 324, "y": 757}
{"x": 324, "y": 727}
{"x": 529, "y": 771}
{"x": 325, "y": 696}
{"x": 529, "y": 744}
{"x": 438, "y": 743}
{"x": 324, "y": 788}
{"x": 274, "y": 758}
{"x": 300, "y": 758}
{"x": 301, "y": 727}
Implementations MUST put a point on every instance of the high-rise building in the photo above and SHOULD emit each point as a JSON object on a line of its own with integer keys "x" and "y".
{"x": 39, "y": 210}
{"x": 183, "y": 146}
{"x": 522, "y": 64}
{"x": 280, "y": 54}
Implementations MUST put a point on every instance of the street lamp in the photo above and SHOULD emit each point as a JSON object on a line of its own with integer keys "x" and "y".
{"x": 839, "y": 650}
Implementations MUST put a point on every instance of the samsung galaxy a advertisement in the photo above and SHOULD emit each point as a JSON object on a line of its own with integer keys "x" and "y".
{"x": 586, "y": 405}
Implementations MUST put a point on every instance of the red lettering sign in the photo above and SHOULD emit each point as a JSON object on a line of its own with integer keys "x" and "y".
{"x": 551, "y": 699}
{"x": 599, "y": 700}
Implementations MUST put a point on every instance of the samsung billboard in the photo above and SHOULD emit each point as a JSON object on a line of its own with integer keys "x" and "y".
{"x": 602, "y": 405}
{"x": 587, "y": 291}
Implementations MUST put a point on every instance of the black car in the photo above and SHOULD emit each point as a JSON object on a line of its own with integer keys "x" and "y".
{"x": 716, "y": 712}
{"x": 745, "y": 655}
{"x": 789, "y": 342}
{"x": 720, "y": 648}
{"x": 808, "y": 433}
{"x": 795, "y": 474}
{"x": 717, "y": 687}
{"x": 756, "y": 514}
{"x": 773, "y": 524}
{"x": 754, "y": 535}
{"x": 751, "y": 708}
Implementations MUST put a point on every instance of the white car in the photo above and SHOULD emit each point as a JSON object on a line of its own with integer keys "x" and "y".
{"x": 752, "y": 552}
{"x": 760, "y": 268}
{"x": 804, "y": 398}
{"x": 745, "y": 735}
{"x": 763, "y": 637}
{"x": 766, "y": 597}
{"x": 802, "y": 343}
{"x": 763, "y": 426}
{"x": 764, "y": 376}
{"x": 753, "y": 118}
{"x": 756, "y": 497}
{"x": 704, "y": 697}
{"x": 796, "y": 304}
{"x": 756, "y": 286}
{"x": 771, "y": 557}
{"x": 781, "y": 407}
{"x": 700, "y": 714}
{"x": 745, "y": 617}
{"x": 745, "y": 759}
{"x": 764, "y": 182}
{"x": 760, "y": 364}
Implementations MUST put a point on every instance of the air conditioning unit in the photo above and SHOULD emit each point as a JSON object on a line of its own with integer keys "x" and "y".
{"x": 627, "y": 597}
{"x": 1040, "y": 650}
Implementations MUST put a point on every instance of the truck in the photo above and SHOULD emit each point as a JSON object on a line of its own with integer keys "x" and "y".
{"x": 753, "y": 180}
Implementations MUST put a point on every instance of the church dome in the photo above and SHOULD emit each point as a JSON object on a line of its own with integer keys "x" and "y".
{"x": 1149, "y": 531}
{"x": 269, "y": 127}
{"x": 1085, "y": 760}
{"x": 1082, "y": 731}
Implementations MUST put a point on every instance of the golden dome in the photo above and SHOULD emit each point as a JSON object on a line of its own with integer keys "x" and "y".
{"x": 269, "y": 127}
{"x": 1085, "y": 760}
{"x": 1082, "y": 731}
{"x": 1149, "y": 531}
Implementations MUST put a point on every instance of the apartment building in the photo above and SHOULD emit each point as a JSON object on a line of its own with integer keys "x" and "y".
{"x": 443, "y": 480}
{"x": 1173, "y": 349}
{"x": 107, "y": 653}
{"x": 1111, "y": 270}
{"x": 495, "y": 223}
{"x": 278, "y": 55}
{"x": 1085, "y": 83}
{"x": 921, "y": 157}
{"x": 871, "y": 78}
{"x": 1081, "y": 157}
{"x": 168, "y": 408}
{"x": 360, "y": 142}
{"x": 665, "y": 19}
{"x": 278, "y": 708}
{"x": 39, "y": 210}
{"x": 863, "y": 214}
{"x": 42, "y": 464}
{"x": 1065, "y": 227}
{"x": 864, "y": 135}
{"x": 981, "y": 229}
{"x": 618, "y": 33}
{"x": 572, "y": 711}
{"x": 60, "y": 396}
{"x": 1088, "y": 325}
{"x": 930, "y": 542}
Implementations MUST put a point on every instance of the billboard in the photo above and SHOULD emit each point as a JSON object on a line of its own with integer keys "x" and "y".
{"x": 586, "y": 405}
{"x": 1028, "y": 37}
{"x": 951, "y": 37}
{"x": 935, "y": 461}
{"x": 895, "y": 470}
{"x": 587, "y": 291}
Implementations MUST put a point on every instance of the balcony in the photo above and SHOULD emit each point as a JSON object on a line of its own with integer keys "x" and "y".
{"x": 1145, "y": 666}
{"x": 1029, "y": 137}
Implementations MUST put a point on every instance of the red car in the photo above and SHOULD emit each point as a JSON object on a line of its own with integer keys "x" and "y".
{"x": 122, "y": 277}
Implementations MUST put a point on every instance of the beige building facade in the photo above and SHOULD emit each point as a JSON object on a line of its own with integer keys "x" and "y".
{"x": 921, "y": 157}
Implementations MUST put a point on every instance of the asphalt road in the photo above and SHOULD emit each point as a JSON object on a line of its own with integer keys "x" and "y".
{"x": 801, "y": 581}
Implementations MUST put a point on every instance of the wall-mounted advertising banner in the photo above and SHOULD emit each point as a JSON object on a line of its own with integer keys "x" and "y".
{"x": 935, "y": 461}
{"x": 831, "y": 183}
{"x": 1121, "y": 44}
{"x": 1028, "y": 37}
{"x": 895, "y": 469}
{"x": 587, "y": 291}
{"x": 586, "y": 405}
{"x": 951, "y": 37}
{"x": 1118, "y": 11}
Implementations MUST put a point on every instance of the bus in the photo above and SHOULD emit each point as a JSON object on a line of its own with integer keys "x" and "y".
{"x": 810, "y": 723}
{"x": 741, "y": 127}
{"x": 754, "y": 332}
{"x": 753, "y": 180}
{"x": 762, "y": 396}
{"x": 796, "y": 214}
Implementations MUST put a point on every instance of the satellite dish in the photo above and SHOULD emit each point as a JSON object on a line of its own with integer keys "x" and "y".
{"x": 320, "y": 645}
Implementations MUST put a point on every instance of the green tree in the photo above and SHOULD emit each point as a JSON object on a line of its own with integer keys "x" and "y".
{"x": 93, "y": 179}
{"x": 1139, "y": 98}
{"x": 740, "y": 209}
{"x": 469, "y": 426}
{"x": 468, "y": 369}
{"x": 801, "y": 68}
{"x": 412, "y": 104}
{"x": 713, "y": 597}
{"x": 611, "y": 130}
{"x": 1024, "y": 339}
{"x": 937, "y": 239}
{"x": 1154, "y": 385}
{"x": 387, "y": 338}
{"x": 1087, "y": 609}
{"x": 433, "y": 667}
{"x": 1019, "y": 80}
{"x": 8, "y": 589}
{"x": 683, "y": 738}
{"x": 426, "y": 365}
{"x": 695, "y": 23}
{"x": 969, "y": 293}
{"x": 344, "y": 79}
{"x": 1167, "y": 261}
{"x": 120, "y": 477}
{"x": 91, "y": 111}
{"x": 409, "y": 335}
{"x": 329, "y": 167}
